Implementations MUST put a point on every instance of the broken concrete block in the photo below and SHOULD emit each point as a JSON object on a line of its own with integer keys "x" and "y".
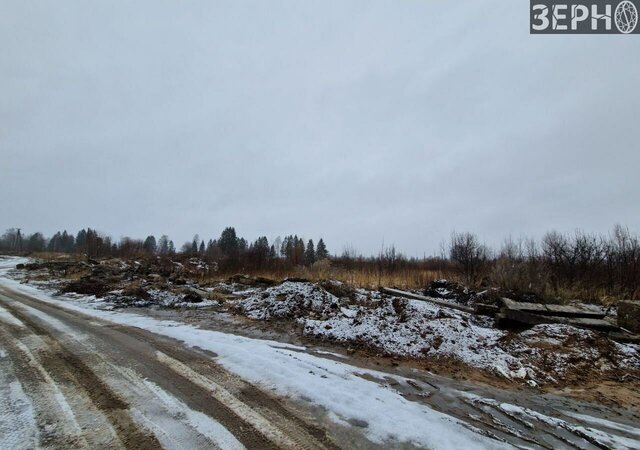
{"x": 629, "y": 315}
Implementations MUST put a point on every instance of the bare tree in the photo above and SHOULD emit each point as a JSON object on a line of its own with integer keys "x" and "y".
{"x": 466, "y": 251}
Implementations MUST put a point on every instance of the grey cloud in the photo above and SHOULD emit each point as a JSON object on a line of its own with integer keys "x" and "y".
{"x": 356, "y": 121}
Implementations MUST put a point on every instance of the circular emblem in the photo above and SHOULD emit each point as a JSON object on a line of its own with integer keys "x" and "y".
{"x": 626, "y": 16}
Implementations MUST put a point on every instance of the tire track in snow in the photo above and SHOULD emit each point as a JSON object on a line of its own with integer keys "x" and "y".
{"x": 56, "y": 423}
{"x": 280, "y": 433}
{"x": 257, "y": 420}
{"x": 66, "y": 369}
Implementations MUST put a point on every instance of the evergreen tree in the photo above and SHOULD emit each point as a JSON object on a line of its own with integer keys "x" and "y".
{"x": 93, "y": 243}
{"x": 171, "y": 248}
{"x": 36, "y": 243}
{"x": 64, "y": 238}
{"x": 321, "y": 250}
{"x": 310, "y": 253}
{"x": 229, "y": 244}
{"x": 298, "y": 250}
{"x": 150, "y": 245}
{"x": 54, "y": 242}
{"x": 259, "y": 251}
{"x": 286, "y": 249}
{"x": 163, "y": 244}
{"x": 201, "y": 249}
{"x": 211, "y": 247}
{"x": 81, "y": 241}
{"x": 194, "y": 245}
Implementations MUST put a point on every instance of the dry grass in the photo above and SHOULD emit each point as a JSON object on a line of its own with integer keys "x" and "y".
{"x": 516, "y": 277}
{"x": 405, "y": 279}
{"x": 365, "y": 278}
{"x": 47, "y": 256}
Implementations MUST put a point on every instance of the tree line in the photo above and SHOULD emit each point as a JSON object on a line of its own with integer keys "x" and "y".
{"x": 229, "y": 251}
{"x": 582, "y": 265}
{"x": 579, "y": 265}
{"x": 575, "y": 265}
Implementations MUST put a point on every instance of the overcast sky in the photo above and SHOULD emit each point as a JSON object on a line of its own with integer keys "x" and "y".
{"x": 356, "y": 121}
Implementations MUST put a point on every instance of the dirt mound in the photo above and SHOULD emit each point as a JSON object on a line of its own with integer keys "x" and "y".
{"x": 252, "y": 281}
{"x": 86, "y": 286}
{"x": 564, "y": 353}
{"x": 338, "y": 289}
{"x": 192, "y": 297}
{"x": 137, "y": 292}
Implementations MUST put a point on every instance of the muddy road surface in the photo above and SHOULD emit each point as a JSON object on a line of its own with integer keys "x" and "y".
{"x": 94, "y": 384}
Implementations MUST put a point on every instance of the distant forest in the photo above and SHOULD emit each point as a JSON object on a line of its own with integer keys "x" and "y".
{"x": 228, "y": 251}
{"x": 578, "y": 265}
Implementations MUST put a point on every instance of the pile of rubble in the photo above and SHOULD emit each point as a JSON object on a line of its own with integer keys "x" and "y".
{"x": 397, "y": 326}
{"x": 120, "y": 284}
{"x": 457, "y": 293}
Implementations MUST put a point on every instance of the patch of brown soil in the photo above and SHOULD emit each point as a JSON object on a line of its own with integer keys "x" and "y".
{"x": 610, "y": 393}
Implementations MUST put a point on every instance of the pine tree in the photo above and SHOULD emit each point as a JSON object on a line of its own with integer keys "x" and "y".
{"x": 201, "y": 249}
{"x": 54, "y": 242}
{"x": 35, "y": 242}
{"x": 81, "y": 241}
{"x": 228, "y": 243}
{"x": 286, "y": 248}
{"x": 321, "y": 250}
{"x": 66, "y": 242}
{"x": 298, "y": 244}
{"x": 150, "y": 245}
{"x": 211, "y": 247}
{"x": 310, "y": 253}
{"x": 93, "y": 243}
{"x": 163, "y": 244}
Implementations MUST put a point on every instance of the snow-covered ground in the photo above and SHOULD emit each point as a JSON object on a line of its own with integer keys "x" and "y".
{"x": 18, "y": 428}
{"x": 412, "y": 328}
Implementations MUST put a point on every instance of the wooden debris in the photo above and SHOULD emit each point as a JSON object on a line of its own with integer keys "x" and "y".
{"x": 484, "y": 309}
{"x": 512, "y": 312}
{"x": 436, "y": 301}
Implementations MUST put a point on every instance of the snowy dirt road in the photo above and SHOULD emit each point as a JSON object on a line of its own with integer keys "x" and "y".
{"x": 85, "y": 382}
{"x": 74, "y": 377}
